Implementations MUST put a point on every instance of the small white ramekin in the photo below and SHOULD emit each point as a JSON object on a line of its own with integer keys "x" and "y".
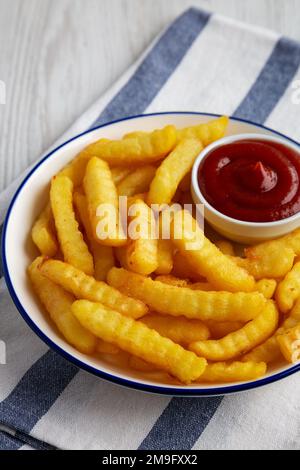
{"x": 239, "y": 230}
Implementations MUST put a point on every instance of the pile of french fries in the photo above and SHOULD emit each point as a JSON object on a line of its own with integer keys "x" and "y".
{"x": 169, "y": 313}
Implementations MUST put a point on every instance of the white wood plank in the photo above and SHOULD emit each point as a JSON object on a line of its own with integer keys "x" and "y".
{"x": 57, "y": 56}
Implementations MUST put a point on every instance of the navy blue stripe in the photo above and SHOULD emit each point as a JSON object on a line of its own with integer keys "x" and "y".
{"x": 45, "y": 381}
{"x": 156, "y": 68}
{"x": 8, "y": 442}
{"x": 36, "y": 392}
{"x": 272, "y": 82}
{"x": 181, "y": 424}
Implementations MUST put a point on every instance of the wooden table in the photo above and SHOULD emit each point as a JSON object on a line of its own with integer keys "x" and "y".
{"x": 57, "y": 56}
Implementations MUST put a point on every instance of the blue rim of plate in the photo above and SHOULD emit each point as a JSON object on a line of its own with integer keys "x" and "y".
{"x": 130, "y": 383}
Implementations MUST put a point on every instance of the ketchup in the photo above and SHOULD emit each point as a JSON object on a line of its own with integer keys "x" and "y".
{"x": 252, "y": 180}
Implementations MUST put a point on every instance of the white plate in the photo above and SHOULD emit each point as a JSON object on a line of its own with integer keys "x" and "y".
{"x": 18, "y": 252}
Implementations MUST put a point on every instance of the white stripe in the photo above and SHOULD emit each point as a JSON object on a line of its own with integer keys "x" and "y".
{"x": 93, "y": 414}
{"x": 23, "y": 347}
{"x": 212, "y": 78}
{"x": 286, "y": 116}
{"x": 268, "y": 418}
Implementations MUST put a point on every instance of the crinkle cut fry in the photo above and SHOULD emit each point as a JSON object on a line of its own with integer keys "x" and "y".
{"x": 136, "y": 338}
{"x": 176, "y": 301}
{"x": 241, "y": 341}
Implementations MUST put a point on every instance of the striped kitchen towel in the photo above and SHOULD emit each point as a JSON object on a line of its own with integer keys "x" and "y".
{"x": 201, "y": 62}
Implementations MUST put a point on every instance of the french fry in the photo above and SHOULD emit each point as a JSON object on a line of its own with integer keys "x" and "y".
{"x": 141, "y": 254}
{"x": 182, "y": 301}
{"x": 269, "y": 351}
{"x": 288, "y": 289}
{"x": 226, "y": 247}
{"x": 103, "y": 255}
{"x": 103, "y": 347}
{"x": 182, "y": 269}
{"x": 271, "y": 259}
{"x": 165, "y": 251}
{"x": 201, "y": 286}
{"x": 73, "y": 246}
{"x": 289, "y": 343}
{"x": 267, "y": 287}
{"x": 100, "y": 190}
{"x": 206, "y": 258}
{"x": 178, "y": 329}
{"x": 75, "y": 170}
{"x": 86, "y": 287}
{"x": 220, "y": 329}
{"x": 133, "y": 135}
{"x": 172, "y": 281}
{"x": 290, "y": 241}
{"x": 137, "y": 181}
{"x": 118, "y": 174}
{"x": 164, "y": 257}
{"x": 241, "y": 341}
{"x": 172, "y": 170}
{"x": 233, "y": 372}
{"x": 43, "y": 233}
{"x": 137, "y": 339}
{"x": 58, "y": 304}
{"x": 141, "y": 149}
{"x": 206, "y": 133}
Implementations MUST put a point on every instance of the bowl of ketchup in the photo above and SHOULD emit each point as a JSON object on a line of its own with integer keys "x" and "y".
{"x": 249, "y": 185}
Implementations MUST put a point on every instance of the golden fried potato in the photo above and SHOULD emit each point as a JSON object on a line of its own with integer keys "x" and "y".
{"x": 137, "y": 339}
{"x": 241, "y": 341}
{"x": 178, "y": 329}
{"x": 268, "y": 260}
{"x": 140, "y": 149}
{"x": 103, "y": 204}
{"x": 182, "y": 269}
{"x": 103, "y": 255}
{"x": 43, "y": 233}
{"x": 201, "y": 286}
{"x": 141, "y": 253}
{"x": 118, "y": 174}
{"x": 206, "y": 133}
{"x": 58, "y": 304}
{"x": 288, "y": 290}
{"x": 206, "y": 258}
{"x": 220, "y": 329}
{"x": 86, "y": 287}
{"x": 172, "y": 280}
{"x": 233, "y": 372}
{"x": 164, "y": 257}
{"x": 182, "y": 301}
{"x": 269, "y": 351}
{"x": 137, "y": 181}
{"x": 226, "y": 247}
{"x": 267, "y": 287}
{"x": 289, "y": 343}
{"x": 172, "y": 170}
{"x": 73, "y": 246}
{"x": 165, "y": 251}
